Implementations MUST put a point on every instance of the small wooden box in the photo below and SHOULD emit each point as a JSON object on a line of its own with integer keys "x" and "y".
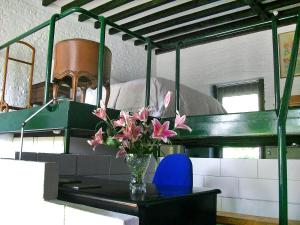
{"x": 38, "y": 93}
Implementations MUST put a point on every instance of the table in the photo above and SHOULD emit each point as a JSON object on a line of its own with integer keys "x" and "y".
{"x": 158, "y": 206}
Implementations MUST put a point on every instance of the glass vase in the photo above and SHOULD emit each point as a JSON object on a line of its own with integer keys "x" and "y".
{"x": 138, "y": 165}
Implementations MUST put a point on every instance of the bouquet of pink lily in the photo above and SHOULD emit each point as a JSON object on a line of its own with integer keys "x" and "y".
{"x": 136, "y": 133}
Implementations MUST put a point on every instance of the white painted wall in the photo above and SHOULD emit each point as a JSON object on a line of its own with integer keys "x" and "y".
{"x": 241, "y": 58}
{"x": 18, "y": 16}
{"x": 33, "y": 188}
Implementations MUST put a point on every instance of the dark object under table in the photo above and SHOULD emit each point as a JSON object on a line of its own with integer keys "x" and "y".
{"x": 158, "y": 206}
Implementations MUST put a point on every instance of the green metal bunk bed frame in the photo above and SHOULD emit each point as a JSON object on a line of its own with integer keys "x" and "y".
{"x": 256, "y": 128}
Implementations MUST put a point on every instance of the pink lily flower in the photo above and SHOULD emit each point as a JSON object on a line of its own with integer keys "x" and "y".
{"x": 119, "y": 123}
{"x": 167, "y": 99}
{"x": 180, "y": 122}
{"x": 121, "y": 152}
{"x": 97, "y": 139}
{"x": 125, "y": 116}
{"x": 100, "y": 113}
{"x": 161, "y": 131}
{"x": 132, "y": 132}
{"x": 142, "y": 115}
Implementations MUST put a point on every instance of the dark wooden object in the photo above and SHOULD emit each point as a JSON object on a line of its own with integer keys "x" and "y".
{"x": 243, "y": 219}
{"x": 38, "y": 93}
{"x": 159, "y": 206}
{"x": 76, "y": 65}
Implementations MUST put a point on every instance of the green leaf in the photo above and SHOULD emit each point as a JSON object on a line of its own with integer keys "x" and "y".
{"x": 112, "y": 142}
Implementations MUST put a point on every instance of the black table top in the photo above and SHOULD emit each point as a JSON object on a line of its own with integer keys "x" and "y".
{"x": 118, "y": 191}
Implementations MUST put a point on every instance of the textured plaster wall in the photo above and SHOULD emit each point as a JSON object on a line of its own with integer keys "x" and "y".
{"x": 241, "y": 58}
{"x": 17, "y": 16}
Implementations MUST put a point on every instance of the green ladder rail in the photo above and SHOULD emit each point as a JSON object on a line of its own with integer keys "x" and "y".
{"x": 281, "y": 129}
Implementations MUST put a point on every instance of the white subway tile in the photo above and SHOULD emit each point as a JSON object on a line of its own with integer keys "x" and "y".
{"x": 93, "y": 164}
{"x": 258, "y": 189}
{"x": 293, "y": 169}
{"x": 294, "y": 192}
{"x": 250, "y": 207}
{"x": 294, "y": 211}
{"x": 219, "y": 203}
{"x": 6, "y": 143}
{"x": 239, "y": 168}
{"x": 268, "y": 168}
{"x": 206, "y": 166}
{"x": 67, "y": 164}
{"x": 228, "y": 185}
{"x": 198, "y": 181}
{"x": 58, "y": 144}
{"x": 45, "y": 145}
{"x": 118, "y": 166}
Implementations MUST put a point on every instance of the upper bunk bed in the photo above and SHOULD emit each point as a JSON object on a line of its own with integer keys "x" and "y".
{"x": 212, "y": 20}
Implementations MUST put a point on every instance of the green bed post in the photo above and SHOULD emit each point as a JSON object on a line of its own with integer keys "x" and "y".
{"x": 281, "y": 129}
{"x": 148, "y": 78}
{"x": 177, "y": 77}
{"x": 276, "y": 64}
{"x": 49, "y": 57}
{"x": 101, "y": 59}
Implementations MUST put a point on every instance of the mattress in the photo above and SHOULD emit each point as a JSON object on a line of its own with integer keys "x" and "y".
{"x": 130, "y": 96}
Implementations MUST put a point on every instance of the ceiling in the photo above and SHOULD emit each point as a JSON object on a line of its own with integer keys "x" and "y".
{"x": 190, "y": 22}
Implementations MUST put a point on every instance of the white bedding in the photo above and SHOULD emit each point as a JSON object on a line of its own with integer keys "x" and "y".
{"x": 130, "y": 96}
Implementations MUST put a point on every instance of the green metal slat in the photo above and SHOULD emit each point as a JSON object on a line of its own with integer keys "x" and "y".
{"x": 177, "y": 78}
{"x": 104, "y": 8}
{"x": 148, "y": 75}
{"x": 188, "y": 18}
{"x": 135, "y": 10}
{"x": 164, "y": 13}
{"x": 278, "y": 4}
{"x": 256, "y": 7}
{"x": 201, "y": 25}
{"x": 75, "y": 3}
{"x": 211, "y": 31}
{"x": 47, "y": 2}
{"x": 233, "y": 31}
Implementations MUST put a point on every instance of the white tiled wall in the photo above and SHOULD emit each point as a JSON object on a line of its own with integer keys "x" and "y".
{"x": 249, "y": 186}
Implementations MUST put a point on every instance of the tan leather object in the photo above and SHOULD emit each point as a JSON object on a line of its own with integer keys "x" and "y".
{"x": 76, "y": 64}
